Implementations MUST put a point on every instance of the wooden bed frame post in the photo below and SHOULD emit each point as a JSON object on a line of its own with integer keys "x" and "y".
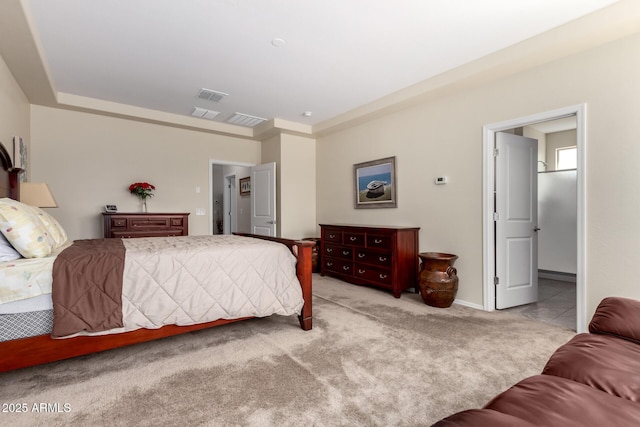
{"x": 304, "y": 276}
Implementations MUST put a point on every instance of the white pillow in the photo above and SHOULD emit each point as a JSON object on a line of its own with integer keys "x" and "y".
{"x": 7, "y": 252}
{"x": 24, "y": 230}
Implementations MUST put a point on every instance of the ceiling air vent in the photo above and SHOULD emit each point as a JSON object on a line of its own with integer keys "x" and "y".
{"x": 245, "y": 120}
{"x": 204, "y": 113}
{"x": 211, "y": 95}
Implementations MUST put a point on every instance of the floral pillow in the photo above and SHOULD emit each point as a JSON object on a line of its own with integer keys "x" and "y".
{"x": 24, "y": 230}
{"x": 52, "y": 226}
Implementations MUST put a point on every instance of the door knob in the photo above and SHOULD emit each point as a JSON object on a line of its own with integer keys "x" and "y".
{"x": 536, "y": 228}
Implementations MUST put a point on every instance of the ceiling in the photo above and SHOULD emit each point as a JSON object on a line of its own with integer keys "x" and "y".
{"x": 304, "y": 61}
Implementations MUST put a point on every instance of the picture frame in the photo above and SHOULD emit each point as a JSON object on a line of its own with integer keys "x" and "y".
{"x": 20, "y": 157}
{"x": 245, "y": 186}
{"x": 375, "y": 184}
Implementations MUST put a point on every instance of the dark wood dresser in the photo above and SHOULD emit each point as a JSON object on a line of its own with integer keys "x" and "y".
{"x": 381, "y": 256}
{"x": 145, "y": 224}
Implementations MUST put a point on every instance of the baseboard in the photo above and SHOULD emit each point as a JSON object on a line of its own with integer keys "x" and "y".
{"x": 469, "y": 304}
{"x": 557, "y": 275}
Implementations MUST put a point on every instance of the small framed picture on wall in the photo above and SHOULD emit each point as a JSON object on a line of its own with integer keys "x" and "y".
{"x": 20, "y": 156}
{"x": 245, "y": 186}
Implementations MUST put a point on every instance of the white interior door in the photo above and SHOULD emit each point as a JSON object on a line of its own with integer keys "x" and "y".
{"x": 516, "y": 219}
{"x": 263, "y": 199}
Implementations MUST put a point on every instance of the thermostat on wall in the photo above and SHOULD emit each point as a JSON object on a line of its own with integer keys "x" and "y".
{"x": 441, "y": 180}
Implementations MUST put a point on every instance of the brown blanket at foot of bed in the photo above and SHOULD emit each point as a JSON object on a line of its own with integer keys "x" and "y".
{"x": 87, "y": 287}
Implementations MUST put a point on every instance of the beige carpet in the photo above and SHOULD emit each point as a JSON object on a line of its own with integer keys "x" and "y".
{"x": 370, "y": 360}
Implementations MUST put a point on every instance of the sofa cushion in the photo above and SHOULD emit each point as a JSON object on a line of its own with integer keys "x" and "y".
{"x": 483, "y": 418}
{"x": 547, "y": 400}
{"x": 604, "y": 362}
{"x": 617, "y": 316}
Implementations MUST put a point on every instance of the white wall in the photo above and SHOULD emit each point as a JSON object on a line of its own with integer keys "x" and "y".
{"x": 14, "y": 111}
{"x": 89, "y": 160}
{"x": 442, "y": 135}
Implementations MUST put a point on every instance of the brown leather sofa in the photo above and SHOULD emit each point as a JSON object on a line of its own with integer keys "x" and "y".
{"x": 593, "y": 380}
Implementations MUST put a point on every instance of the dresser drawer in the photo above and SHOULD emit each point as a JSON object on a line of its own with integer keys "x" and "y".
{"x": 372, "y": 257}
{"x": 338, "y": 266}
{"x": 149, "y": 223}
{"x": 353, "y": 239}
{"x": 378, "y": 241}
{"x": 176, "y": 222}
{"x": 373, "y": 274}
{"x": 338, "y": 251}
{"x": 332, "y": 235}
{"x": 118, "y": 222}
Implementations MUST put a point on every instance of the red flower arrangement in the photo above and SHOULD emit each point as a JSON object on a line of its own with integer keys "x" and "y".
{"x": 142, "y": 189}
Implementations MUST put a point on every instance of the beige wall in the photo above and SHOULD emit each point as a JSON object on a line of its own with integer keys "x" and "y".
{"x": 443, "y": 136}
{"x": 14, "y": 110}
{"x": 89, "y": 160}
{"x": 295, "y": 183}
{"x": 298, "y": 185}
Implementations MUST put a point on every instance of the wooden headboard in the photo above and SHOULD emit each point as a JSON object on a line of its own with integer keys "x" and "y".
{"x": 9, "y": 179}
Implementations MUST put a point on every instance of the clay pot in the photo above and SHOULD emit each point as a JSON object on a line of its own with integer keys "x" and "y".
{"x": 438, "y": 279}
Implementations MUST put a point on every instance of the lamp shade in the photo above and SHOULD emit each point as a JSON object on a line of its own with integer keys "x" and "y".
{"x": 37, "y": 194}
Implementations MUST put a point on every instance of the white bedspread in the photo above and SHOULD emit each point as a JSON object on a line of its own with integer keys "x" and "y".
{"x": 197, "y": 279}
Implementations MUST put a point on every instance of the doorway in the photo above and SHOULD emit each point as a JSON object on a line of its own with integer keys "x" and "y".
{"x": 489, "y": 228}
{"x": 554, "y": 169}
{"x": 229, "y": 211}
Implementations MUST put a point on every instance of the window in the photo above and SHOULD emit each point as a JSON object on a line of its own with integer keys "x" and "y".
{"x": 566, "y": 158}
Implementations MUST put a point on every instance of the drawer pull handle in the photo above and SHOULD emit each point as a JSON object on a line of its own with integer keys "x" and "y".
{"x": 361, "y": 271}
{"x": 362, "y": 255}
{"x": 346, "y": 268}
{"x": 332, "y": 236}
{"x": 329, "y": 264}
{"x": 383, "y": 276}
{"x": 377, "y": 241}
{"x": 383, "y": 258}
{"x": 353, "y": 239}
{"x": 329, "y": 250}
{"x": 345, "y": 252}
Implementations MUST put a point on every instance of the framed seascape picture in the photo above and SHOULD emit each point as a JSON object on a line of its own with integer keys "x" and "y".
{"x": 375, "y": 184}
{"x": 245, "y": 186}
{"x": 20, "y": 156}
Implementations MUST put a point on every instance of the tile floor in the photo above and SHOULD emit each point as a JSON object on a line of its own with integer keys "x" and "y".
{"x": 556, "y": 304}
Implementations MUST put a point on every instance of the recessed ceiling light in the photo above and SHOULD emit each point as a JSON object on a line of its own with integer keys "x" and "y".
{"x": 307, "y": 114}
{"x": 278, "y": 42}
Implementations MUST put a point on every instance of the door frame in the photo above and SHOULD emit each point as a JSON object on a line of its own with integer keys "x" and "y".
{"x": 210, "y": 183}
{"x": 488, "y": 225}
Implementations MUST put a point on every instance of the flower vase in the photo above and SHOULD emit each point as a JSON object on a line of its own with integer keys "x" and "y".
{"x": 144, "y": 205}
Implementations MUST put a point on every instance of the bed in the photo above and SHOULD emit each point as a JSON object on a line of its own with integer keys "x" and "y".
{"x": 34, "y": 343}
